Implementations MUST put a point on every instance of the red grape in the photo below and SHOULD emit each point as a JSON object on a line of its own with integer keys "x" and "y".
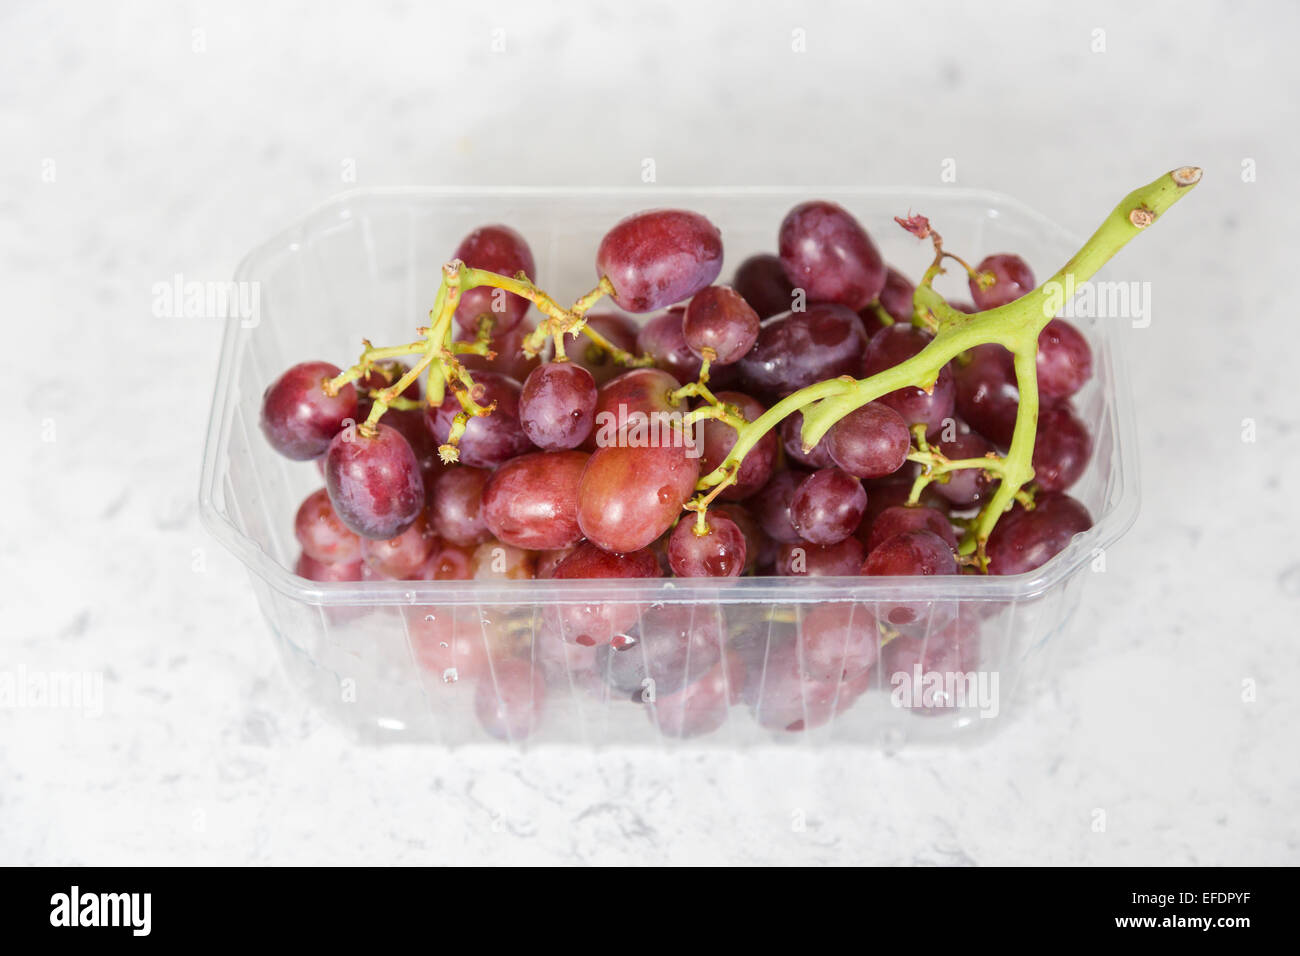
{"x": 797, "y": 349}
{"x": 759, "y": 548}
{"x": 298, "y": 418}
{"x": 450, "y": 562}
{"x": 320, "y": 532}
{"x": 772, "y": 505}
{"x": 374, "y": 483}
{"x": 590, "y": 624}
{"x": 448, "y": 642}
{"x": 510, "y": 359}
{"x": 619, "y": 330}
{"x": 827, "y": 506}
{"x": 717, "y": 438}
{"x": 1062, "y": 448}
{"x": 1064, "y": 360}
{"x": 402, "y": 556}
{"x": 792, "y": 441}
{"x": 718, "y": 318}
{"x": 839, "y": 641}
{"x": 498, "y": 561}
{"x": 643, "y": 395}
{"x": 630, "y": 496}
{"x": 784, "y": 696}
{"x": 659, "y": 257}
{"x": 313, "y": 570}
{"x": 841, "y": 559}
{"x": 895, "y": 345}
{"x": 902, "y": 518}
{"x": 896, "y": 296}
{"x": 965, "y": 487}
{"x": 558, "y": 405}
{"x": 497, "y": 249}
{"x": 489, "y": 440}
{"x": 986, "y": 392}
{"x": 663, "y": 339}
{"x": 700, "y": 707}
{"x": 532, "y": 501}
{"x": 827, "y": 253}
{"x": 719, "y": 553}
{"x": 671, "y": 646}
{"x": 869, "y": 442}
{"x": 456, "y": 502}
{"x": 1023, "y": 540}
{"x": 761, "y": 282}
{"x": 1012, "y": 279}
{"x": 919, "y": 552}
{"x": 509, "y": 700}
{"x": 946, "y": 651}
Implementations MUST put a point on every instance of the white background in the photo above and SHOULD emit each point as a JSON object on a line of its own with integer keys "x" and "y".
{"x": 167, "y": 159}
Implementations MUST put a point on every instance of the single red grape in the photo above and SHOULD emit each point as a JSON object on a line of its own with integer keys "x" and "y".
{"x": 456, "y": 502}
{"x": 374, "y": 482}
{"x": 965, "y": 487}
{"x": 1012, "y": 279}
{"x": 902, "y": 518}
{"x": 772, "y": 505}
{"x": 489, "y": 440}
{"x": 401, "y": 556}
{"x": 792, "y": 441}
{"x": 1062, "y": 448}
{"x": 801, "y": 559}
{"x": 919, "y": 552}
{"x": 827, "y": 253}
{"x": 321, "y": 534}
{"x": 827, "y": 506}
{"x": 718, "y": 553}
{"x": 532, "y": 501}
{"x": 839, "y": 641}
{"x": 558, "y": 405}
{"x": 589, "y": 624}
{"x": 1024, "y": 540}
{"x": 717, "y": 318}
{"x": 629, "y": 496}
{"x": 986, "y": 393}
{"x": 501, "y": 250}
{"x": 869, "y": 442}
{"x": 797, "y": 349}
{"x": 1064, "y": 360}
{"x": 659, "y": 257}
{"x": 298, "y": 418}
{"x": 916, "y": 406}
{"x": 761, "y": 281}
{"x": 717, "y": 438}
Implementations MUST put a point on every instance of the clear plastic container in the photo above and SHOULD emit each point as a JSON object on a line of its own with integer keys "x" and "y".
{"x": 375, "y": 655}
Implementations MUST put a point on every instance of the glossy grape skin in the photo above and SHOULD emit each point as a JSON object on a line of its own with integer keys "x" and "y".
{"x": 510, "y": 699}
{"x": 402, "y": 556}
{"x": 630, "y": 496}
{"x": 298, "y": 418}
{"x": 1064, "y": 360}
{"x": 903, "y": 518}
{"x": 320, "y": 533}
{"x": 502, "y": 250}
{"x": 804, "y": 560}
{"x": 760, "y": 550}
{"x": 718, "y": 318}
{"x": 532, "y": 501}
{"x": 592, "y": 624}
{"x": 327, "y": 571}
{"x": 986, "y": 394}
{"x": 895, "y": 345}
{"x": 663, "y": 339}
{"x": 548, "y": 561}
{"x": 797, "y": 349}
{"x": 965, "y": 487}
{"x": 1062, "y": 448}
{"x": 619, "y": 330}
{"x": 761, "y": 282}
{"x": 1025, "y": 540}
{"x": 716, "y": 439}
{"x": 827, "y": 506}
{"x": 827, "y": 253}
{"x": 896, "y": 296}
{"x": 719, "y": 553}
{"x": 456, "y": 504}
{"x": 638, "y": 395}
{"x": 557, "y": 405}
{"x": 497, "y": 561}
{"x": 1013, "y": 277}
{"x": 510, "y": 359}
{"x": 671, "y": 646}
{"x": 450, "y": 562}
{"x": 700, "y": 707}
{"x": 489, "y": 440}
{"x": 911, "y": 553}
{"x": 659, "y": 257}
{"x": 869, "y": 442}
{"x": 839, "y": 641}
{"x": 772, "y": 505}
{"x": 374, "y": 483}
{"x": 792, "y": 441}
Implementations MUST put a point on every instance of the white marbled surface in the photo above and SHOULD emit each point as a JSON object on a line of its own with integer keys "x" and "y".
{"x": 135, "y": 147}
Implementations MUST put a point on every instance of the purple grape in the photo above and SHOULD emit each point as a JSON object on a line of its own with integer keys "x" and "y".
{"x": 1062, "y": 448}
{"x": 321, "y": 534}
{"x": 489, "y": 440}
{"x": 986, "y": 393}
{"x": 772, "y": 506}
{"x": 1023, "y": 540}
{"x": 589, "y": 624}
{"x": 558, "y": 405}
{"x": 782, "y": 694}
{"x": 374, "y": 483}
{"x": 792, "y": 441}
{"x": 895, "y": 345}
{"x": 797, "y": 349}
{"x": 700, "y": 707}
{"x": 532, "y": 501}
{"x": 911, "y": 553}
{"x": 327, "y": 571}
{"x": 827, "y": 506}
{"x": 298, "y": 418}
{"x": 719, "y": 553}
{"x": 966, "y": 486}
{"x": 402, "y": 556}
{"x": 896, "y": 296}
{"x": 1064, "y": 360}
{"x": 869, "y": 442}
{"x": 659, "y": 257}
{"x": 827, "y": 253}
{"x": 510, "y": 359}
{"x": 671, "y": 646}
{"x": 839, "y": 641}
{"x": 801, "y": 559}
{"x": 950, "y": 649}
{"x": 501, "y": 250}
{"x": 761, "y": 282}
{"x": 663, "y": 340}
{"x": 1013, "y": 278}
{"x": 718, "y": 318}
{"x": 716, "y": 439}
{"x": 456, "y": 505}
{"x": 900, "y": 519}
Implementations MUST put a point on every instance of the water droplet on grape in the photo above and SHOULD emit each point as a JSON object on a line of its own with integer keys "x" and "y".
{"x": 429, "y": 617}
{"x": 450, "y": 676}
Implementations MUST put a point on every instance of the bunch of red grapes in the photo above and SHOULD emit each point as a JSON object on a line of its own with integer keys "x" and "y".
{"x": 568, "y": 477}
